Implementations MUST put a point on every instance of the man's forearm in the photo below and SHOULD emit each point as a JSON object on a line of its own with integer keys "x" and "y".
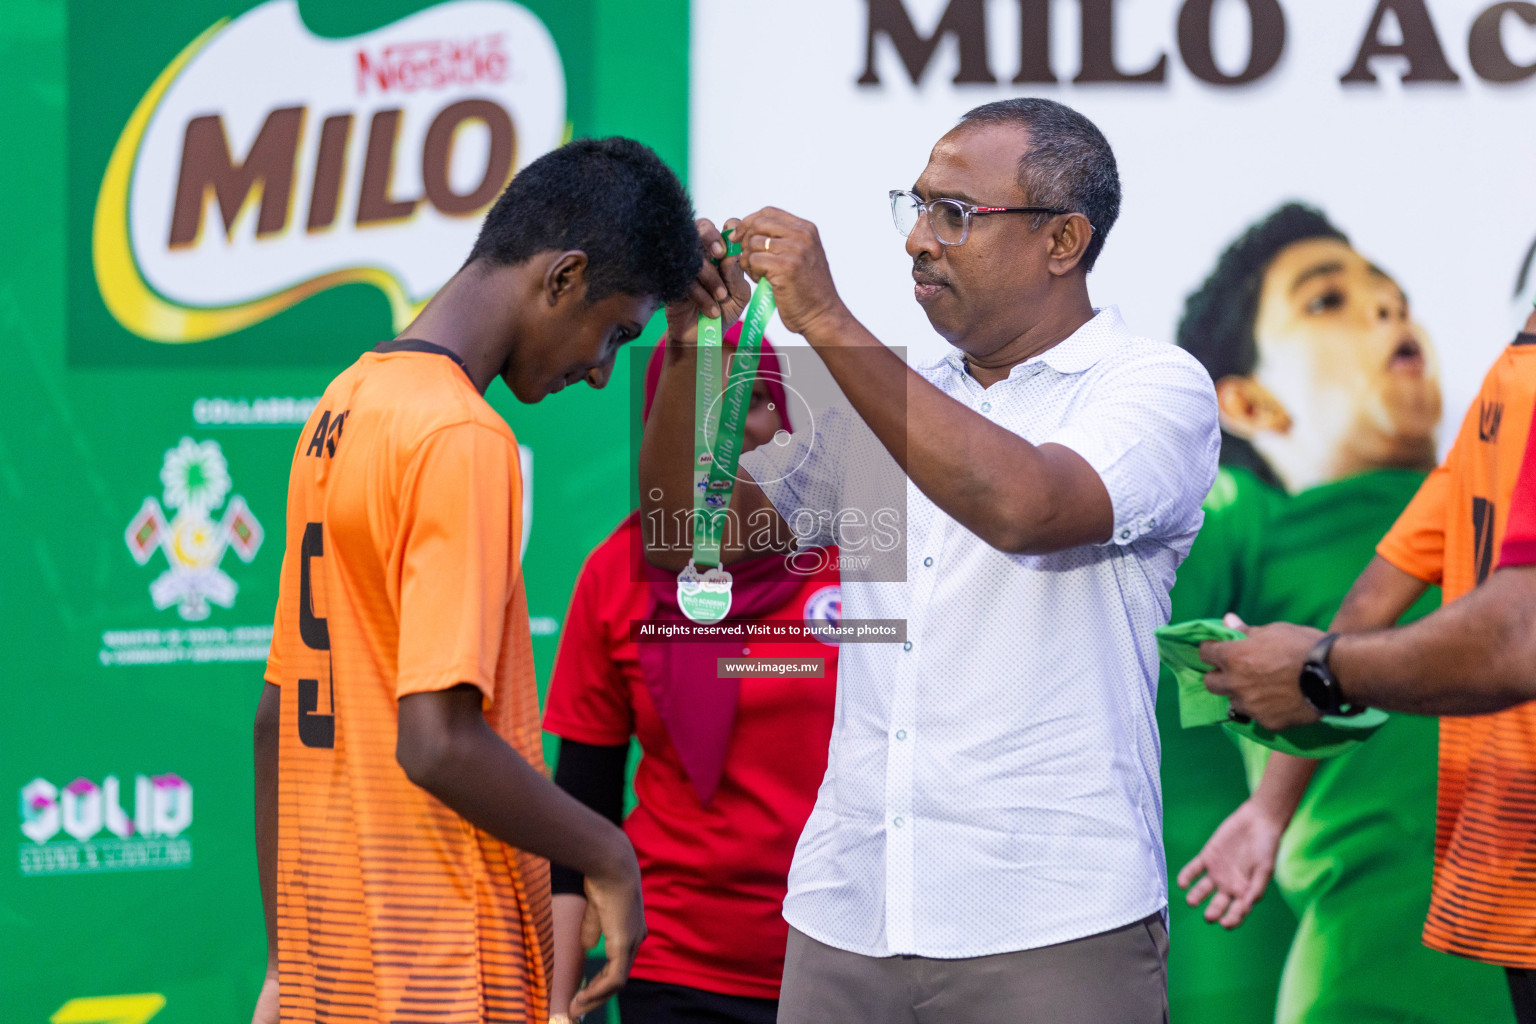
{"x": 268, "y": 717}
{"x": 1475, "y": 655}
{"x": 989, "y": 479}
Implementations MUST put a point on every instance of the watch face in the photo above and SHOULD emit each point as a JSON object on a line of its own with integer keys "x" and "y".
{"x": 1317, "y": 688}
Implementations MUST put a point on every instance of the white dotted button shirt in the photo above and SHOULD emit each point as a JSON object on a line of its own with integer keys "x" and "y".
{"x": 992, "y": 783}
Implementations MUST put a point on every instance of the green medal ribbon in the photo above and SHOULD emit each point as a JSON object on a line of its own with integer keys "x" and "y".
{"x": 719, "y": 422}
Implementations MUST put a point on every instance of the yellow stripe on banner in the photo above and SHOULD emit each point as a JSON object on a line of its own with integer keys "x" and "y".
{"x": 134, "y": 1009}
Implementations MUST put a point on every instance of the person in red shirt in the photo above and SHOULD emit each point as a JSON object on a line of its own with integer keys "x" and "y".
{"x": 729, "y": 767}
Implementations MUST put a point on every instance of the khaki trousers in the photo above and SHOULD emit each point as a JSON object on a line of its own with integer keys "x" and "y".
{"x": 1116, "y": 977}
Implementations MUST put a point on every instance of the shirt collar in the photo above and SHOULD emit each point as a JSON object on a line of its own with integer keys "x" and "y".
{"x": 1073, "y": 354}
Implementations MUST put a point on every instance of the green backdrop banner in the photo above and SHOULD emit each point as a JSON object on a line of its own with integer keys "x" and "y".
{"x": 213, "y": 208}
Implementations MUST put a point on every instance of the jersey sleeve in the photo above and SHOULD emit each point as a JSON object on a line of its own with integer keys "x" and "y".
{"x": 588, "y": 698}
{"x": 1416, "y": 542}
{"x": 460, "y": 521}
{"x": 1520, "y": 535}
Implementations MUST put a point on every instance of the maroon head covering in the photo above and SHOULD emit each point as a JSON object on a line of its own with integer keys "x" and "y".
{"x": 697, "y": 709}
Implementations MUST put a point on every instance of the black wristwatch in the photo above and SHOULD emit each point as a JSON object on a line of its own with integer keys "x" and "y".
{"x": 1320, "y": 686}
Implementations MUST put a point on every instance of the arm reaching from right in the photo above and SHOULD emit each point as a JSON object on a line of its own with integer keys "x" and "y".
{"x": 1474, "y": 656}
{"x": 1238, "y": 860}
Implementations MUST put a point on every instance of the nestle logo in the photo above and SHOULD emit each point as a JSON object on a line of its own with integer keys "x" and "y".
{"x": 432, "y": 64}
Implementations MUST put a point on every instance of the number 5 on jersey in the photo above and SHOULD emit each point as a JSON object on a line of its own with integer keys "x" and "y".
{"x": 315, "y": 729}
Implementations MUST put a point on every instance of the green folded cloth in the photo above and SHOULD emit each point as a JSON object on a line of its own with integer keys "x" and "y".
{"x": 1178, "y": 647}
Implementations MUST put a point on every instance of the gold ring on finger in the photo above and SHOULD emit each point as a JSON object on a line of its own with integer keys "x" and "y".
{"x": 767, "y": 243}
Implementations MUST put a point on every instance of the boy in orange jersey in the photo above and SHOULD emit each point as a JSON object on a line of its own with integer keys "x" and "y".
{"x": 403, "y": 817}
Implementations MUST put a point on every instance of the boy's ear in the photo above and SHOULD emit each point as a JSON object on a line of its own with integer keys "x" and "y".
{"x": 566, "y": 275}
{"x": 1246, "y": 408}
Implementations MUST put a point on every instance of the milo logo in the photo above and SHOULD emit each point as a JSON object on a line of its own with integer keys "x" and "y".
{"x": 266, "y": 163}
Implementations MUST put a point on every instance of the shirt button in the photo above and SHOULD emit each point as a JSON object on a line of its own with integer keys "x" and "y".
{"x": 899, "y": 822}
{"x": 1125, "y": 534}
{"x": 1152, "y": 523}
{"x": 907, "y": 646}
{"x": 927, "y": 561}
{"x": 901, "y": 734}
{"x": 986, "y": 406}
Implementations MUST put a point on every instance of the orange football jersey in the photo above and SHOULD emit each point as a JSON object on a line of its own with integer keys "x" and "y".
{"x": 1483, "y": 902}
{"x": 401, "y": 576}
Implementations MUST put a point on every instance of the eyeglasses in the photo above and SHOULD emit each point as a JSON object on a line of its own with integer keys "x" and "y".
{"x": 950, "y": 219}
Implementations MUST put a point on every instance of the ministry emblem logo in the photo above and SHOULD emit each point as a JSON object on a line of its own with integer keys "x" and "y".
{"x": 195, "y": 478}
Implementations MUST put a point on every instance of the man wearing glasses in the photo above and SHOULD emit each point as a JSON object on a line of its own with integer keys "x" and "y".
{"x": 987, "y": 843}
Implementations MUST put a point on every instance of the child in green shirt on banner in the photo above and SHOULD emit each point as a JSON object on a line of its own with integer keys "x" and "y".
{"x": 1329, "y": 398}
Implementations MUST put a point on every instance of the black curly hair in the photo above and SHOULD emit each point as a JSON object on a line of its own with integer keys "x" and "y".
{"x": 1217, "y": 325}
{"x": 614, "y": 200}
